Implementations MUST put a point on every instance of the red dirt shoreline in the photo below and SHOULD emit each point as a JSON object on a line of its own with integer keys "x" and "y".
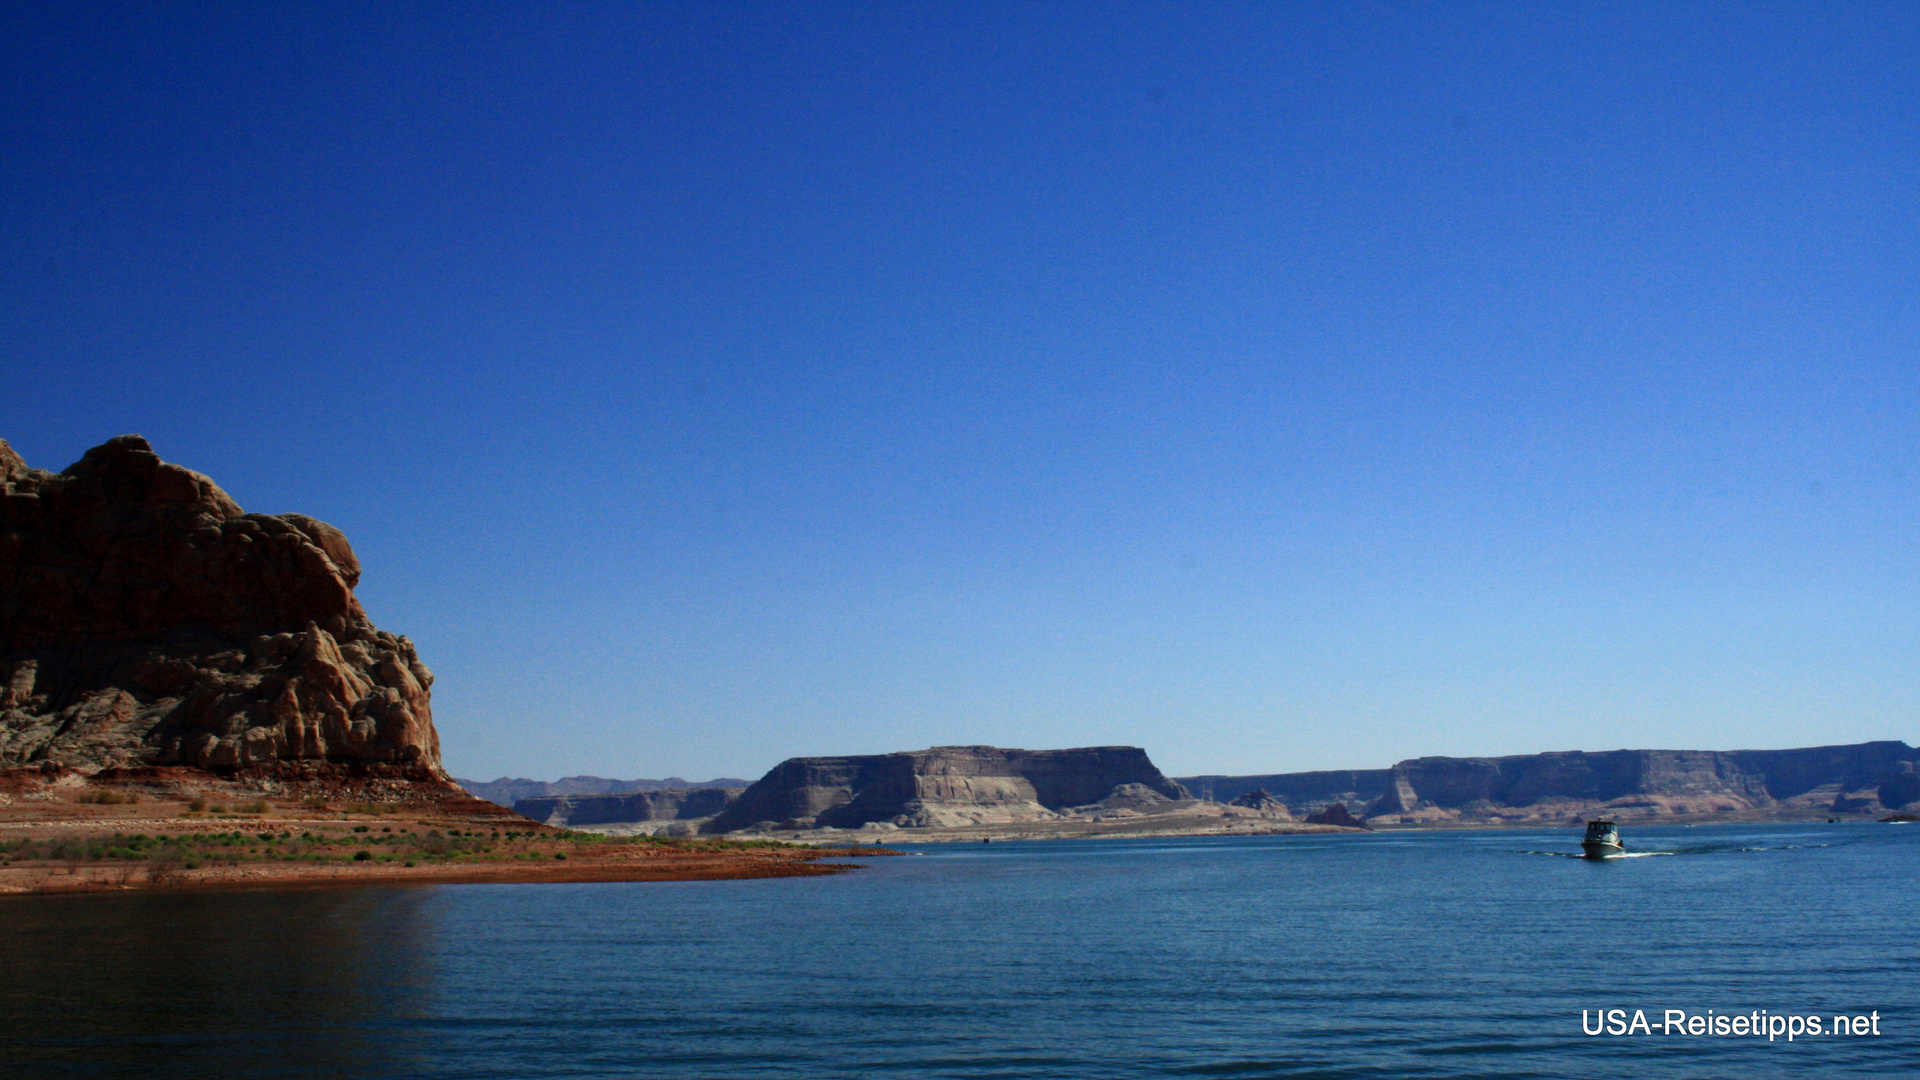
{"x": 185, "y": 830}
{"x": 44, "y": 878}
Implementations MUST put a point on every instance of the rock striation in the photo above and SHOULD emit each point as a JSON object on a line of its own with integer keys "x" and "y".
{"x": 949, "y": 786}
{"x": 147, "y": 621}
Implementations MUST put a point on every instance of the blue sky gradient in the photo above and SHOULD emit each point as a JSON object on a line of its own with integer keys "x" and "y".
{"x": 1272, "y": 386}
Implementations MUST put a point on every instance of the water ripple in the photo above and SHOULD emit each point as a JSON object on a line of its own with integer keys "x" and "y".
{"x": 1436, "y": 955}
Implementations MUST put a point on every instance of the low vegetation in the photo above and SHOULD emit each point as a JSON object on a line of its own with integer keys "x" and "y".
{"x": 372, "y": 844}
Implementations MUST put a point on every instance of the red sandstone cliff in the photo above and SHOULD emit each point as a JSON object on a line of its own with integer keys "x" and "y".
{"x": 145, "y": 620}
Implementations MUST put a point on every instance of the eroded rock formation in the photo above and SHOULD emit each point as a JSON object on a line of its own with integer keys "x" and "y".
{"x": 1336, "y": 814}
{"x": 949, "y": 786}
{"x": 146, "y": 620}
{"x": 1258, "y": 799}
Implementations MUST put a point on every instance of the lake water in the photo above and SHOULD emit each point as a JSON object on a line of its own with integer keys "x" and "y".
{"x": 1457, "y": 954}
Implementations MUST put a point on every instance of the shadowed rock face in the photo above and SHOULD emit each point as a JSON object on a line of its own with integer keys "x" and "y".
{"x": 944, "y": 786}
{"x": 145, "y": 619}
{"x": 1901, "y": 787}
{"x": 1303, "y": 791}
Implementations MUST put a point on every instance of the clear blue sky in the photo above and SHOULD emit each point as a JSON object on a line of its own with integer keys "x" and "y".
{"x": 1275, "y": 386}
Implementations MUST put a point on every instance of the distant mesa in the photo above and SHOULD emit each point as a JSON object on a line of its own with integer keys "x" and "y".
{"x": 965, "y": 791}
{"x": 950, "y": 786}
{"x": 146, "y": 622}
{"x": 943, "y": 791}
{"x": 942, "y": 788}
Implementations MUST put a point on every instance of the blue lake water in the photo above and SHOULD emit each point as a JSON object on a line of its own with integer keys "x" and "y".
{"x": 1438, "y": 954}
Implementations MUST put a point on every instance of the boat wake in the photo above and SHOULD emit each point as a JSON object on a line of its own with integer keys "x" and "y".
{"x": 1690, "y": 849}
{"x": 1604, "y": 858}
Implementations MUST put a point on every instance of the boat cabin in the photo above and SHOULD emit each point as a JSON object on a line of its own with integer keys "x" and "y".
{"x": 1605, "y": 832}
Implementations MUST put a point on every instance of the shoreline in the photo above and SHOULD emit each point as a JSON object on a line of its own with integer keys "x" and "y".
{"x": 1036, "y": 831}
{"x": 176, "y": 829}
{"x": 1213, "y": 825}
{"x": 43, "y": 879}
{"x": 544, "y": 855}
{"x": 49, "y": 847}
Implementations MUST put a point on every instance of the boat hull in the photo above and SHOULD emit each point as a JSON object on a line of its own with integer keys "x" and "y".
{"x": 1600, "y": 849}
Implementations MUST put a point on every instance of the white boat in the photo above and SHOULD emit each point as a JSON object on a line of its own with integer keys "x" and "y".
{"x": 1602, "y": 840}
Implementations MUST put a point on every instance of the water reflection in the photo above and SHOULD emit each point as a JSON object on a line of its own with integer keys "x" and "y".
{"x": 315, "y": 982}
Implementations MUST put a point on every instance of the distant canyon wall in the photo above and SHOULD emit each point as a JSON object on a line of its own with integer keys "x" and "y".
{"x": 509, "y": 791}
{"x": 960, "y": 786}
{"x": 1303, "y": 791}
{"x": 681, "y": 804}
{"x": 1855, "y": 778}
